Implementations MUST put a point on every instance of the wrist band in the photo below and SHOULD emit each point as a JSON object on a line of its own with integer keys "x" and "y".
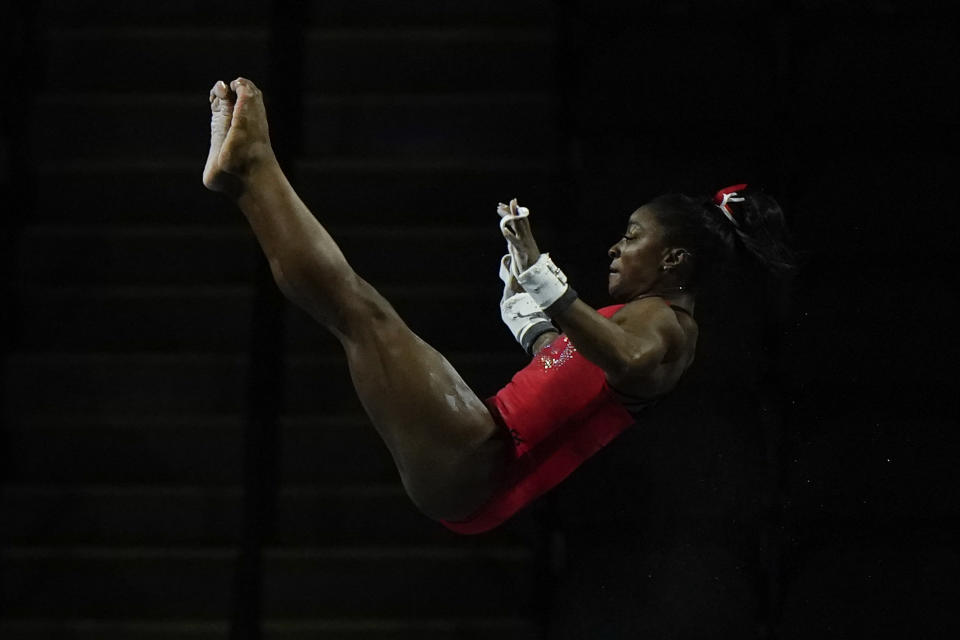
{"x": 528, "y": 338}
{"x": 547, "y": 285}
{"x": 562, "y": 303}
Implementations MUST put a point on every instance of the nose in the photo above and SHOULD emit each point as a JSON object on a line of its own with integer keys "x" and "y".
{"x": 614, "y": 251}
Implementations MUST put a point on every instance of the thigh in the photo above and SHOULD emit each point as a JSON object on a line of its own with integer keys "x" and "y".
{"x": 407, "y": 385}
{"x": 446, "y": 444}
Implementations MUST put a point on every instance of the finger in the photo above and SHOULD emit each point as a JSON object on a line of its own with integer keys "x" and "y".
{"x": 504, "y": 271}
{"x": 521, "y": 226}
{"x": 503, "y": 210}
{"x": 513, "y": 207}
{"x": 514, "y": 285}
{"x": 509, "y": 226}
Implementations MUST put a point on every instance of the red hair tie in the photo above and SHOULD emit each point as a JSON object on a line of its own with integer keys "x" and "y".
{"x": 728, "y": 194}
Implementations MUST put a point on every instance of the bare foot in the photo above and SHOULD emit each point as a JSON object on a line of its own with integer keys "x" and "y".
{"x": 239, "y": 136}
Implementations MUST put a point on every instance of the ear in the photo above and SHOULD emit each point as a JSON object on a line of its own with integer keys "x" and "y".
{"x": 675, "y": 257}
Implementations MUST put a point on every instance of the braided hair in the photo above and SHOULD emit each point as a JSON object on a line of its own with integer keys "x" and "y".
{"x": 749, "y": 228}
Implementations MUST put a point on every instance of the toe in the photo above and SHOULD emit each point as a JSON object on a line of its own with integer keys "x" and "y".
{"x": 244, "y": 88}
{"x": 221, "y": 90}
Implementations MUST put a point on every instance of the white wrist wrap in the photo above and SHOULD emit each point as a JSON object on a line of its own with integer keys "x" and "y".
{"x": 547, "y": 285}
{"x": 520, "y": 313}
{"x": 524, "y": 319}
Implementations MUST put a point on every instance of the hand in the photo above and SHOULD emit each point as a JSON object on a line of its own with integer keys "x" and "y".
{"x": 516, "y": 229}
{"x": 510, "y": 284}
{"x": 239, "y": 136}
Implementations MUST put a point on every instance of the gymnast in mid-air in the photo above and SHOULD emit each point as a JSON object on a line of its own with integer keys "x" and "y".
{"x": 470, "y": 463}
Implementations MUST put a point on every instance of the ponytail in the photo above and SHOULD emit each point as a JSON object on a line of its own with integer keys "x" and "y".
{"x": 734, "y": 225}
{"x": 759, "y": 227}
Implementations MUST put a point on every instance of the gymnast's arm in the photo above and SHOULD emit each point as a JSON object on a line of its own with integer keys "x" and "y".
{"x": 544, "y": 340}
{"x": 631, "y": 346}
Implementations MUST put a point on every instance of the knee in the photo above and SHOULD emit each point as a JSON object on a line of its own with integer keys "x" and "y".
{"x": 301, "y": 283}
{"x": 342, "y": 302}
{"x": 360, "y": 307}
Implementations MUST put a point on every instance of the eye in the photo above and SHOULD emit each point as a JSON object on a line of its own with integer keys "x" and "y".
{"x": 627, "y": 237}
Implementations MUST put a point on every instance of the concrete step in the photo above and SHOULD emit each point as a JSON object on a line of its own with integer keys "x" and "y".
{"x": 157, "y": 583}
{"x": 358, "y": 192}
{"x": 152, "y": 58}
{"x": 130, "y": 384}
{"x": 316, "y": 385}
{"x": 64, "y": 448}
{"x": 460, "y": 628}
{"x": 401, "y": 581}
{"x": 173, "y": 384}
{"x": 108, "y": 515}
{"x": 491, "y": 125}
{"x": 426, "y": 12}
{"x": 116, "y": 13}
{"x": 427, "y": 59}
{"x": 82, "y": 582}
{"x": 183, "y": 515}
{"x": 136, "y": 318}
{"x": 118, "y": 319}
{"x": 74, "y": 255}
{"x": 450, "y": 319}
{"x": 325, "y": 13}
{"x": 385, "y": 59}
{"x": 68, "y": 255}
{"x": 175, "y": 450}
{"x": 80, "y": 629}
{"x": 442, "y": 192}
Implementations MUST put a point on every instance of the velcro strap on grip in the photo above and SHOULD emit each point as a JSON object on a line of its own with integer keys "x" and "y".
{"x": 547, "y": 285}
{"x": 524, "y": 319}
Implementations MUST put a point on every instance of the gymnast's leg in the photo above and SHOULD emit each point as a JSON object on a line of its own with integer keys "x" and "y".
{"x": 443, "y": 439}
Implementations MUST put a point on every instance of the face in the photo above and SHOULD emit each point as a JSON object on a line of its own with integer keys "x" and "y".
{"x": 637, "y": 256}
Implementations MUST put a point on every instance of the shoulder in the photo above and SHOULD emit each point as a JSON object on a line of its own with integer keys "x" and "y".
{"x": 652, "y": 311}
{"x": 653, "y": 319}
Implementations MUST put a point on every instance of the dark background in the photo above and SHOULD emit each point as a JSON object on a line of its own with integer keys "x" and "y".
{"x": 183, "y": 455}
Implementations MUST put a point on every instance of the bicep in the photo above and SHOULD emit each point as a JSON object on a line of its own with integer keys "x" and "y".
{"x": 652, "y": 339}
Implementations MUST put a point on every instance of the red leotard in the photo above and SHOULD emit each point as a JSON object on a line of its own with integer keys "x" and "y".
{"x": 560, "y": 411}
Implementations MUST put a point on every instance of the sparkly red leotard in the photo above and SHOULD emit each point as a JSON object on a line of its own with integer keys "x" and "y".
{"x": 560, "y": 411}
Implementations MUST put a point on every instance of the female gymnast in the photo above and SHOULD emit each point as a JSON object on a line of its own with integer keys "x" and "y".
{"x": 472, "y": 464}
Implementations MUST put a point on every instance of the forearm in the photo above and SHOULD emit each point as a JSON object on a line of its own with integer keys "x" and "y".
{"x": 544, "y": 340}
